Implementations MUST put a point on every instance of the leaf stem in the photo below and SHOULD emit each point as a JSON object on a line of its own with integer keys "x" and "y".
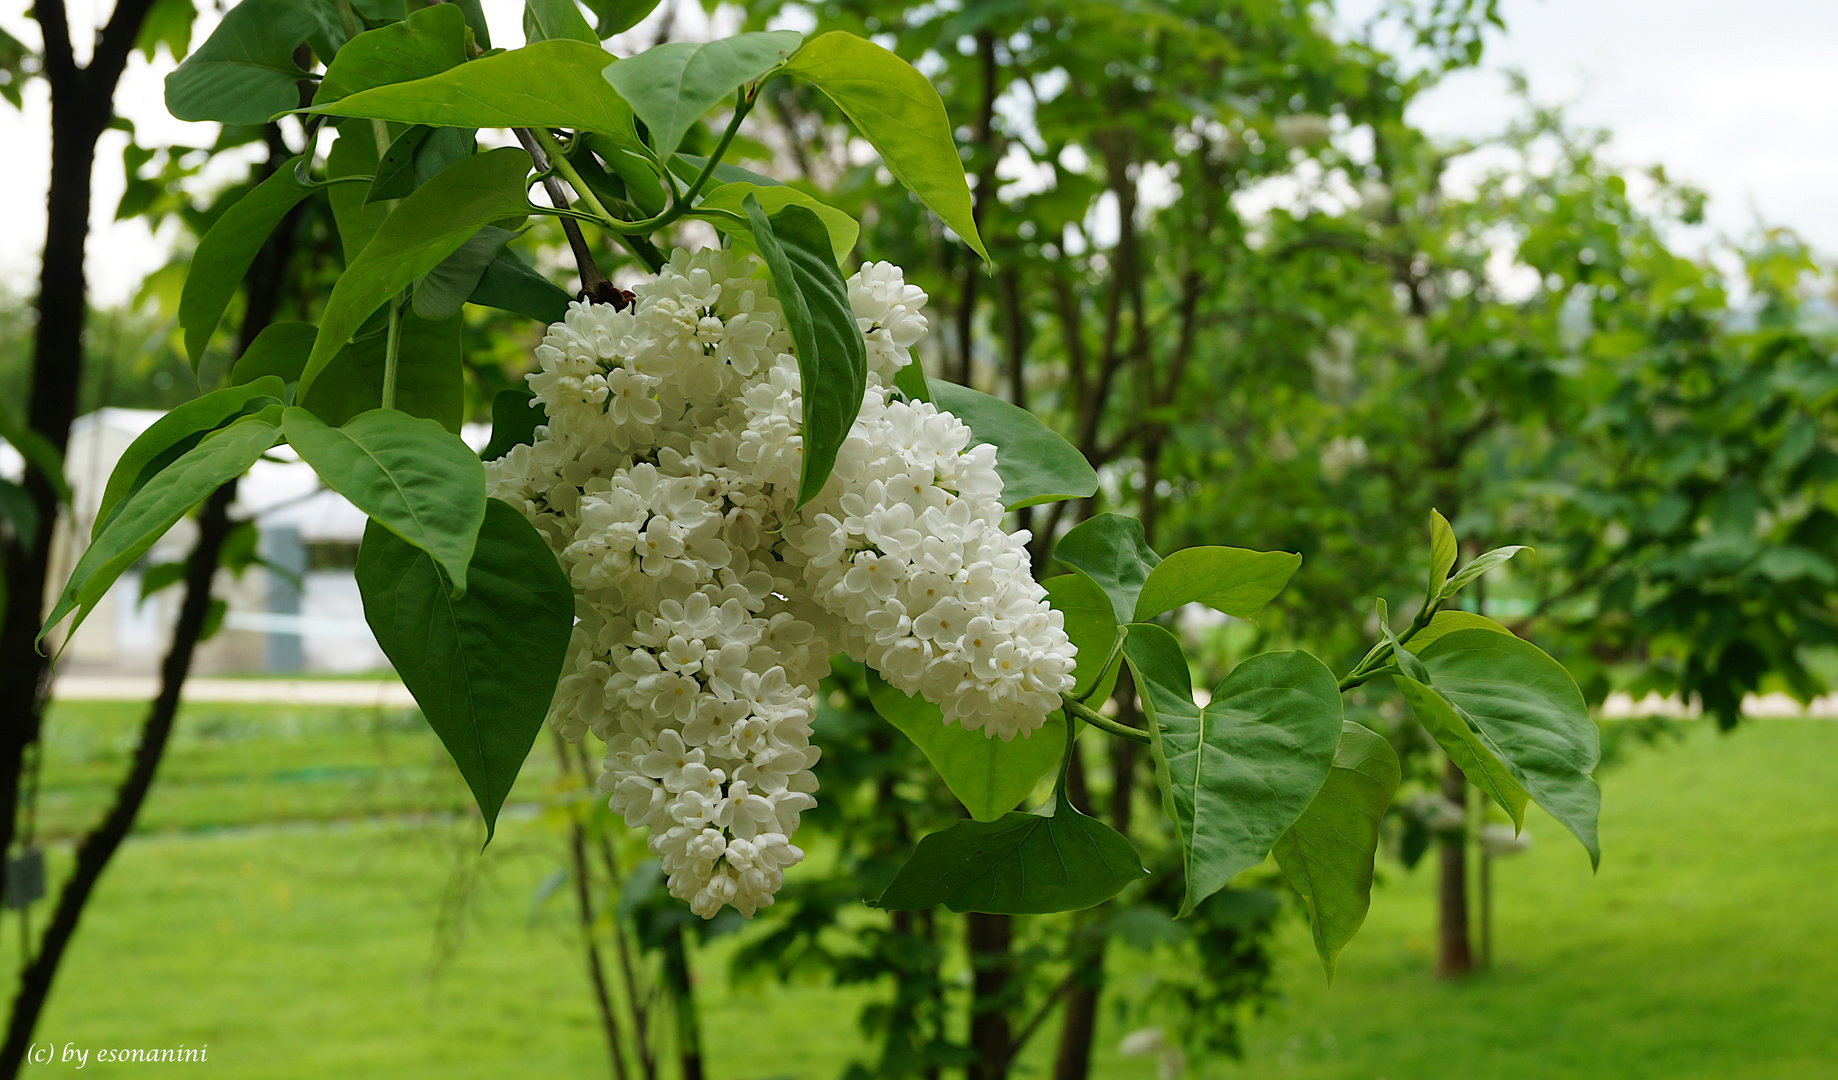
{"x": 680, "y": 204}
{"x": 1075, "y": 707}
{"x": 347, "y": 19}
{"x": 742, "y": 107}
{"x": 560, "y": 163}
{"x": 392, "y": 351}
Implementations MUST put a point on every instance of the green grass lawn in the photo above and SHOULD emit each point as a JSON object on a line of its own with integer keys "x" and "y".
{"x": 334, "y": 941}
{"x": 1705, "y": 948}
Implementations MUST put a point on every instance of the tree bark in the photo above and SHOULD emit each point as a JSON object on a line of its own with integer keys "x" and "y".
{"x": 1454, "y": 957}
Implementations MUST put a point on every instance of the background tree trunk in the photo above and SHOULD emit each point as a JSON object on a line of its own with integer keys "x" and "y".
{"x": 1454, "y": 958}
{"x": 99, "y": 847}
{"x": 265, "y": 282}
{"x": 82, "y": 104}
{"x": 988, "y": 938}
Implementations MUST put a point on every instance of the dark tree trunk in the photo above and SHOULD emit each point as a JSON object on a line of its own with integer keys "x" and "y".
{"x": 985, "y": 183}
{"x": 988, "y": 938}
{"x": 82, "y": 104}
{"x": 1072, "y": 1061}
{"x": 590, "y": 938}
{"x": 99, "y": 847}
{"x": 57, "y": 368}
{"x": 683, "y": 998}
{"x": 1454, "y": 958}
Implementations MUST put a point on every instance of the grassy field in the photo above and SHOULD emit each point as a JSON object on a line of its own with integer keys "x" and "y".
{"x": 306, "y": 905}
{"x": 1705, "y": 948}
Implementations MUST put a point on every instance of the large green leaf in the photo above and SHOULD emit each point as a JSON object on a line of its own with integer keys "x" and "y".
{"x": 515, "y": 416}
{"x": 354, "y": 153}
{"x": 899, "y": 112}
{"x": 226, "y": 252}
{"x": 1091, "y": 623}
{"x": 1472, "y": 751}
{"x": 729, "y": 197}
{"x": 482, "y": 667}
{"x": 510, "y": 284}
{"x": 1242, "y": 770}
{"x": 427, "y": 43}
{"x": 1111, "y": 548}
{"x": 546, "y": 84}
{"x": 245, "y": 72}
{"x": 1533, "y": 713}
{"x": 412, "y": 476}
{"x": 166, "y": 496}
{"x": 442, "y": 291}
{"x": 832, "y": 359}
{"x": 279, "y": 350}
{"x": 1046, "y": 860}
{"x": 1035, "y": 463}
{"x": 1233, "y": 580}
{"x": 423, "y": 230}
{"x": 1327, "y": 854}
{"x": 176, "y": 433}
{"x": 670, "y": 86}
{"x": 989, "y": 776}
{"x": 545, "y": 20}
{"x": 430, "y": 373}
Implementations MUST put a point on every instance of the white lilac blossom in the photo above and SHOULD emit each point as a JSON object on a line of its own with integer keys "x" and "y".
{"x": 708, "y": 606}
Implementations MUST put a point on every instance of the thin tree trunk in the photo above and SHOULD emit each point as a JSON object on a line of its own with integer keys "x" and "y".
{"x": 57, "y": 369}
{"x": 1454, "y": 958}
{"x": 99, "y": 846}
{"x": 590, "y": 941}
{"x": 1072, "y": 1061}
{"x": 988, "y": 939}
{"x": 82, "y": 104}
{"x": 985, "y": 183}
{"x": 683, "y": 994}
{"x": 635, "y": 994}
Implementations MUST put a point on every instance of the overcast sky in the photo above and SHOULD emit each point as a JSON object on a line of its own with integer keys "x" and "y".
{"x": 1740, "y": 99}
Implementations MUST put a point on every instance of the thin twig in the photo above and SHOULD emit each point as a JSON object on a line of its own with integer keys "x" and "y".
{"x": 595, "y": 287}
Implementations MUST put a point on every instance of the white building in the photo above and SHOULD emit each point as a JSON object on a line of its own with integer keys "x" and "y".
{"x": 272, "y": 624}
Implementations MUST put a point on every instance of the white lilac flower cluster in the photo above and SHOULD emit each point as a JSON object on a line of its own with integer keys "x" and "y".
{"x": 708, "y": 607}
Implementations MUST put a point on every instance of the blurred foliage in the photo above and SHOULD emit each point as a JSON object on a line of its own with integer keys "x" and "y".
{"x": 1277, "y": 316}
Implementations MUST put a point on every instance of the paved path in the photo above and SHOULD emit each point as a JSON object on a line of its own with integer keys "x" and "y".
{"x": 387, "y": 693}
{"x": 381, "y": 693}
